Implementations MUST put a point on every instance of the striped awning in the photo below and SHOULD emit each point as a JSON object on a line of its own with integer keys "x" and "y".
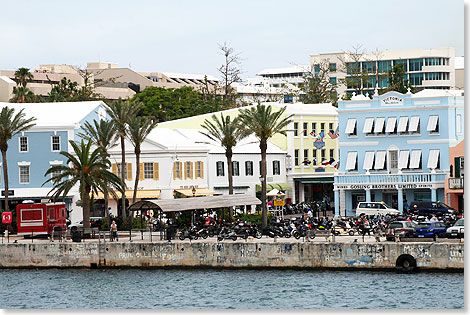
{"x": 199, "y": 192}
{"x": 278, "y": 186}
{"x": 141, "y": 194}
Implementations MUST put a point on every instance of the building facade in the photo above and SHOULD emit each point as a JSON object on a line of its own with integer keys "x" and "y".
{"x": 454, "y": 189}
{"x": 395, "y": 147}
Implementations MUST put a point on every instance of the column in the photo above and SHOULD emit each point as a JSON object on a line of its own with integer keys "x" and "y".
{"x": 336, "y": 191}
{"x": 368, "y": 195}
{"x": 342, "y": 200}
{"x": 433, "y": 194}
{"x": 301, "y": 193}
{"x": 400, "y": 200}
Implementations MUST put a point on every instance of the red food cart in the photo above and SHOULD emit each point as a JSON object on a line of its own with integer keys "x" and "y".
{"x": 40, "y": 218}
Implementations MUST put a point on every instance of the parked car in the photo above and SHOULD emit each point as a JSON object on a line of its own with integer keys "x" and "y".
{"x": 430, "y": 207}
{"x": 430, "y": 229}
{"x": 399, "y": 229}
{"x": 456, "y": 231}
{"x": 374, "y": 208}
{"x": 94, "y": 222}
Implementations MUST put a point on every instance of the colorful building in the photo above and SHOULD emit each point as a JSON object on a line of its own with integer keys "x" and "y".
{"x": 455, "y": 183}
{"x": 395, "y": 147}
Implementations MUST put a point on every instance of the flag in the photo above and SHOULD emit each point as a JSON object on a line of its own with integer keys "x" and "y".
{"x": 313, "y": 134}
{"x": 335, "y": 164}
{"x": 325, "y": 162}
{"x": 335, "y": 134}
{"x": 321, "y": 135}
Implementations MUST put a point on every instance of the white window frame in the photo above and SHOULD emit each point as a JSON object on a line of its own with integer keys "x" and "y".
{"x": 276, "y": 167}
{"x": 433, "y": 124}
{"x": 380, "y": 160}
{"x": 52, "y": 143}
{"x": 414, "y": 124}
{"x": 148, "y": 175}
{"x": 402, "y": 124}
{"x": 433, "y": 159}
{"x": 403, "y": 159}
{"x": 391, "y": 125}
{"x": 235, "y": 168}
{"x": 27, "y": 144}
{"x": 351, "y": 163}
{"x": 368, "y": 160}
{"x": 369, "y": 122}
{"x": 219, "y": 167}
{"x": 415, "y": 159}
{"x": 248, "y": 168}
{"x": 379, "y": 125}
{"x": 20, "y": 167}
{"x": 351, "y": 126}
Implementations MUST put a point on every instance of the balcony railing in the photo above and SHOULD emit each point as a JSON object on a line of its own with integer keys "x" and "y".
{"x": 390, "y": 178}
{"x": 456, "y": 183}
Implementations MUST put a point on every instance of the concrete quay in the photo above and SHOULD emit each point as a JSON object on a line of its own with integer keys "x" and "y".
{"x": 342, "y": 253}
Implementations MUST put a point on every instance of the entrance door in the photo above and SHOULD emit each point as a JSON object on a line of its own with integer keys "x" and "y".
{"x": 393, "y": 158}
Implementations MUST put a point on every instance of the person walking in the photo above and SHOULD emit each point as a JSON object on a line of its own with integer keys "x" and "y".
{"x": 113, "y": 230}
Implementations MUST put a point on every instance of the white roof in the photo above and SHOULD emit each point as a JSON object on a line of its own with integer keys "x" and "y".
{"x": 190, "y": 76}
{"x": 323, "y": 109}
{"x": 172, "y": 139}
{"x": 58, "y": 113}
{"x": 7, "y": 79}
{"x": 437, "y": 93}
{"x": 292, "y": 69}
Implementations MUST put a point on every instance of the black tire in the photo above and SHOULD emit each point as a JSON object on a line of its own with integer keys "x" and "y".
{"x": 390, "y": 238}
{"x": 406, "y": 263}
{"x": 258, "y": 235}
{"x": 311, "y": 235}
{"x": 435, "y": 236}
{"x": 336, "y": 233}
{"x": 234, "y": 238}
{"x": 351, "y": 232}
{"x": 220, "y": 238}
{"x": 181, "y": 237}
{"x": 296, "y": 235}
{"x": 204, "y": 235}
{"x": 245, "y": 236}
{"x": 287, "y": 234}
{"x": 195, "y": 237}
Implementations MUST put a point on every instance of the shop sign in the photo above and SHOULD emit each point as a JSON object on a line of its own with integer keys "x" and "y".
{"x": 7, "y": 217}
{"x": 392, "y": 100}
{"x": 383, "y": 186}
{"x": 279, "y": 202}
{"x": 319, "y": 144}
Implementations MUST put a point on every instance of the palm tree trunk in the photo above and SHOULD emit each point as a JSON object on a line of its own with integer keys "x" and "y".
{"x": 228, "y": 154}
{"x": 123, "y": 176}
{"x": 5, "y": 177}
{"x": 86, "y": 207}
{"x": 137, "y": 173}
{"x": 106, "y": 205}
{"x": 263, "y": 146}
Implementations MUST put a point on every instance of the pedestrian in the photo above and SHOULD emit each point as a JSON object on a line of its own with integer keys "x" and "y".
{"x": 113, "y": 230}
{"x": 406, "y": 208}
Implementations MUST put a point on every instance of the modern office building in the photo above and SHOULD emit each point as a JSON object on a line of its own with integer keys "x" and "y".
{"x": 395, "y": 147}
{"x": 425, "y": 68}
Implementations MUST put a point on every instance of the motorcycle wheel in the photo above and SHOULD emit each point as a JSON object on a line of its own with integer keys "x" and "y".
{"x": 204, "y": 235}
{"x": 181, "y": 237}
{"x": 258, "y": 235}
{"x": 245, "y": 236}
{"x": 287, "y": 234}
{"x": 351, "y": 232}
{"x": 296, "y": 235}
{"x": 195, "y": 237}
{"x": 234, "y": 238}
{"x": 220, "y": 238}
{"x": 312, "y": 235}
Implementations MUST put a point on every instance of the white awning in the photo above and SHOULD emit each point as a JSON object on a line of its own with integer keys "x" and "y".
{"x": 369, "y": 160}
{"x": 414, "y": 122}
{"x": 380, "y": 160}
{"x": 432, "y": 123}
{"x": 351, "y": 125}
{"x": 368, "y": 125}
{"x": 433, "y": 159}
{"x": 391, "y": 123}
{"x": 402, "y": 124}
{"x": 351, "y": 162}
{"x": 415, "y": 158}
{"x": 403, "y": 159}
{"x": 379, "y": 125}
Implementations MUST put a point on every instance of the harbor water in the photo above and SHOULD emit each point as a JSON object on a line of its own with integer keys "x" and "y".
{"x": 228, "y": 289}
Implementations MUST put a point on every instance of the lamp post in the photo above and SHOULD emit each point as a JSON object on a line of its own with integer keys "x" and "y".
{"x": 194, "y": 191}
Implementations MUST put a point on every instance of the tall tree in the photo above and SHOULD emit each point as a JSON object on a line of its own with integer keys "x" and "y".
{"x": 356, "y": 74}
{"x": 230, "y": 72}
{"x": 22, "y": 95}
{"x": 11, "y": 124}
{"x": 264, "y": 123}
{"x": 120, "y": 112}
{"x": 87, "y": 168}
{"x": 23, "y": 76}
{"x": 227, "y": 132}
{"x": 317, "y": 87}
{"x": 397, "y": 80}
{"x": 138, "y": 130}
{"x": 65, "y": 91}
{"x": 102, "y": 134}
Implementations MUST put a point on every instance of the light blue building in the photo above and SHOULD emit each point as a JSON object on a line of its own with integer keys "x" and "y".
{"x": 31, "y": 153}
{"x": 395, "y": 147}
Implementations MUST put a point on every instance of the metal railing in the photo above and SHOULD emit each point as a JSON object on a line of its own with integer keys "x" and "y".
{"x": 456, "y": 183}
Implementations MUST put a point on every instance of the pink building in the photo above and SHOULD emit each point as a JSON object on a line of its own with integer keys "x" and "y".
{"x": 455, "y": 184}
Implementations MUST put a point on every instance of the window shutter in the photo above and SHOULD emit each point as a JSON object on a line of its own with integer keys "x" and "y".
{"x": 141, "y": 171}
{"x": 457, "y": 167}
{"x": 202, "y": 169}
{"x": 185, "y": 170}
{"x": 114, "y": 168}
{"x": 129, "y": 171}
{"x": 191, "y": 170}
{"x": 174, "y": 170}
{"x": 155, "y": 171}
{"x": 181, "y": 169}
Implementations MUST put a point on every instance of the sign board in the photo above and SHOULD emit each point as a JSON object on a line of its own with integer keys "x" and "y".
{"x": 319, "y": 144}
{"x": 279, "y": 202}
{"x": 7, "y": 217}
{"x": 392, "y": 100}
{"x": 384, "y": 186}
{"x": 10, "y": 192}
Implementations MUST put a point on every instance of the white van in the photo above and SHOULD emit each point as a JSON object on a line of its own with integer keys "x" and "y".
{"x": 374, "y": 208}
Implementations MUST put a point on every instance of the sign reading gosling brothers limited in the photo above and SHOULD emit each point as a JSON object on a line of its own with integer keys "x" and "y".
{"x": 392, "y": 100}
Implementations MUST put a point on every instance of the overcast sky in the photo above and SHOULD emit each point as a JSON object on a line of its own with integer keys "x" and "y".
{"x": 183, "y": 36}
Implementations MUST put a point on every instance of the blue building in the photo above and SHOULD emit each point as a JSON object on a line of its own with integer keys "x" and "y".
{"x": 31, "y": 153}
{"x": 395, "y": 148}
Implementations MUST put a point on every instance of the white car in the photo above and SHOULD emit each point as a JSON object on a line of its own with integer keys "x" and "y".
{"x": 374, "y": 208}
{"x": 456, "y": 231}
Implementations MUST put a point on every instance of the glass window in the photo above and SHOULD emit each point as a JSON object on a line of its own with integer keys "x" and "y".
{"x": 296, "y": 129}
{"x": 322, "y": 127}
{"x": 276, "y": 168}
{"x": 416, "y": 78}
{"x": 314, "y": 129}
{"x": 416, "y": 64}
{"x": 148, "y": 170}
{"x": 332, "y": 67}
{"x": 55, "y": 143}
{"x": 314, "y": 157}
{"x": 385, "y": 66}
{"x": 332, "y": 154}
{"x": 296, "y": 157}
{"x": 249, "y": 168}
{"x": 351, "y": 127}
{"x": 305, "y": 129}
{"x": 333, "y": 80}
{"x": 119, "y": 167}
{"x": 199, "y": 169}
{"x": 235, "y": 168}
{"x": 403, "y": 63}
{"x": 23, "y": 144}
{"x": 220, "y": 168}
{"x": 369, "y": 66}
{"x": 305, "y": 154}
{"x": 24, "y": 174}
{"x": 323, "y": 155}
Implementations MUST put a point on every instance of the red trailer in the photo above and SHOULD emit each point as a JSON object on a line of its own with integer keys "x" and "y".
{"x": 40, "y": 218}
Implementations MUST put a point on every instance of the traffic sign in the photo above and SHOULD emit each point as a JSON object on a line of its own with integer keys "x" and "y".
{"x": 7, "y": 217}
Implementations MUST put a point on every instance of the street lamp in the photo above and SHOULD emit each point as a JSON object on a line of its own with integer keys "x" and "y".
{"x": 194, "y": 191}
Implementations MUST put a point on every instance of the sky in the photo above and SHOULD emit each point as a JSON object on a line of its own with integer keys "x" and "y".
{"x": 184, "y": 36}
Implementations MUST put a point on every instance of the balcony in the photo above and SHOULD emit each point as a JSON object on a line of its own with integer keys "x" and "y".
{"x": 392, "y": 181}
{"x": 456, "y": 183}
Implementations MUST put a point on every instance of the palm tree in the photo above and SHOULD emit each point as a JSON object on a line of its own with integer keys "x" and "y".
{"x": 89, "y": 169}
{"x": 11, "y": 123}
{"x": 22, "y": 95}
{"x": 23, "y": 76}
{"x": 121, "y": 112}
{"x": 227, "y": 132}
{"x": 139, "y": 129}
{"x": 102, "y": 134}
{"x": 264, "y": 123}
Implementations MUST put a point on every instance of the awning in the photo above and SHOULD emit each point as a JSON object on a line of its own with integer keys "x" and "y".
{"x": 433, "y": 159}
{"x": 369, "y": 160}
{"x": 274, "y": 193}
{"x": 403, "y": 159}
{"x": 206, "y": 202}
{"x": 279, "y": 186}
{"x": 322, "y": 180}
{"x": 351, "y": 125}
{"x": 368, "y": 125}
{"x": 379, "y": 125}
{"x": 415, "y": 158}
{"x": 199, "y": 192}
{"x": 402, "y": 124}
{"x": 391, "y": 123}
{"x": 380, "y": 160}
{"x": 351, "y": 162}
{"x": 432, "y": 123}
{"x": 414, "y": 123}
{"x": 141, "y": 194}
